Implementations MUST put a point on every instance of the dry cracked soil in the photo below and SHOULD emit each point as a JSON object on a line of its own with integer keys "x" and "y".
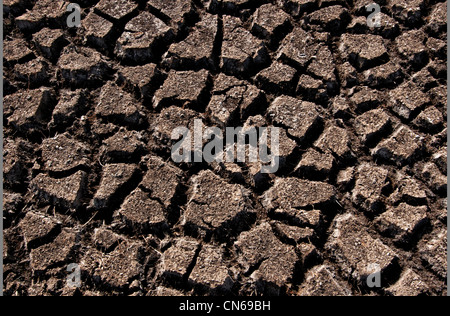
{"x": 89, "y": 180}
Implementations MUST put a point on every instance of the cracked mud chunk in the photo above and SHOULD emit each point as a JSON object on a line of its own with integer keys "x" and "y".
{"x": 15, "y": 159}
{"x": 210, "y": 271}
{"x": 115, "y": 178}
{"x": 389, "y": 74}
{"x": 274, "y": 263}
{"x": 66, "y": 192}
{"x": 270, "y": 22}
{"x": 50, "y": 42}
{"x": 116, "y": 9}
{"x": 118, "y": 106}
{"x": 233, "y": 99}
{"x": 358, "y": 254}
{"x": 407, "y": 99}
{"x": 37, "y": 228}
{"x": 440, "y": 159}
{"x": 315, "y": 164}
{"x": 71, "y": 104}
{"x": 296, "y": 193}
{"x": 402, "y": 223}
{"x": 372, "y": 125}
{"x": 176, "y": 261}
{"x": 141, "y": 214}
{"x": 363, "y": 50}
{"x": 323, "y": 65}
{"x": 124, "y": 146}
{"x": 324, "y": 281}
{"x": 277, "y": 77}
{"x": 435, "y": 179}
{"x": 98, "y": 31}
{"x": 297, "y": 7}
{"x": 141, "y": 39}
{"x": 430, "y": 120}
{"x": 292, "y": 234}
{"x": 299, "y": 47}
{"x": 436, "y": 48}
{"x": 434, "y": 253}
{"x": 197, "y": 50}
{"x": 60, "y": 251}
{"x": 162, "y": 180}
{"x": 300, "y": 118}
{"x": 143, "y": 80}
{"x": 409, "y": 190}
{"x": 32, "y": 108}
{"x": 117, "y": 269}
{"x": 313, "y": 90}
{"x": 34, "y": 73}
{"x": 183, "y": 88}
{"x": 401, "y": 147}
{"x": 411, "y": 46}
{"x": 331, "y": 19}
{"x": 370, "y": 182}
{"x": 240, "y": 56}
{"x": 178, "y": 11}
{"x": 82, "y": 65}
{"x": 366, "y": 99}
{"x": 43, "y": 12}
{"x": 216, "y": 206}
{"x": 300, "y": 218}
{"x": 438, "y": 17}
{"x": 16, "y": 50}
{"x": 407, "y": 11}
{"x": 336, "y": 140}
{"x": 63, "y": 153}
{"x": 105, "y": 240}
{"x": 409, "y": 284}
{"x": 347, "y": 74}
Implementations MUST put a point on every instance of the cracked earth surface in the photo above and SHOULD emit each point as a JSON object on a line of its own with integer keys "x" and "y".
{"x": 88, "y": 177}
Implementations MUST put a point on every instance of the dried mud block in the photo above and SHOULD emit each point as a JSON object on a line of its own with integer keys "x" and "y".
{"x": 437, "y": 20}
{"x": 239, "y": 56}
{"x": 401, "y": 148}
{"x": 323, "y": 66}
{"x": 43, "y": 12}
{"x": 162, "y": 180}
{"x": 297, "y": 7}
{"x": 324, "y": 281}
{"x": 58, "y": 252}
{"x": 331, "y": 19}
{"x": 12, "y": 205}
{"x": 176, "y": 261}
{"x": 409, "y": 12}
{"x": 363, "y": 50}
{"x": 37, "y": 229}
{"x": 411, "y": 46}
{"x": 176, "y": 12}
{"x": 210, "y": 273}
{"x": 434, "y": 253}
{"x": 409, "y": 284}
{"x": 118, "y": 106}
{"x": 336, "y": 140}
{"x": 124, "y": 146}
{"x": 315, "y": 164}
{"x": 115, "y": 178}
{"x": 407, "y": 99}
{"x": 66, "y": 192}
{"x": 142, "y": 80}
{"x": 271, "y": 23}
{"x": 296, "y": 193}
{"x": 183, "y": 88}
{"x": 387, "y": 75}
{"x": 274, "y": 263}
{"x": 71, "y": 105}
{"x": 301, "y": 218}
{"x": 142, "y": 214}
{"x": 372, "y": 126}
{"x": 402, "y": 223}
{"x": 50, "y": 42}
{"x": 105, "y": 240}
{"x": 430, "y": 120}
{"x": 366, "y": 99}
{"x": 370, "y": 183}
{"x": 63, "y": 153}
{"x": 197, "y": 50}
{"x": 166, "y": 292}
{"x": 435, "y": 179}
{"x": 347, "y": 74}
{"x": 436, "y": 48}
{"x": 32, "y": 109}
{"x": 82, "y": 66}
{"x": 216, "y": 207}
{"x": 286, "y": 148}
{"x": 293, "y": 235}
{"x": 16, "y": 50}
{"x": 300, "y": 118}
{"x": 440, "y": 159}
{"x": 278, "y": 77}
{"x": 313, "y": 90}
{"x": 408, "y": 190}
{"x": 15, "y": 162}
{"x": 357, "y": 253}
{"x": 232, "y": 100}
{"x": 98, "y": 31}
{"x": 142, "y": 38}
{"x": 116, "y": 9}
{"x": 33, "y": 73}
{"x": 14, "y": 7}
